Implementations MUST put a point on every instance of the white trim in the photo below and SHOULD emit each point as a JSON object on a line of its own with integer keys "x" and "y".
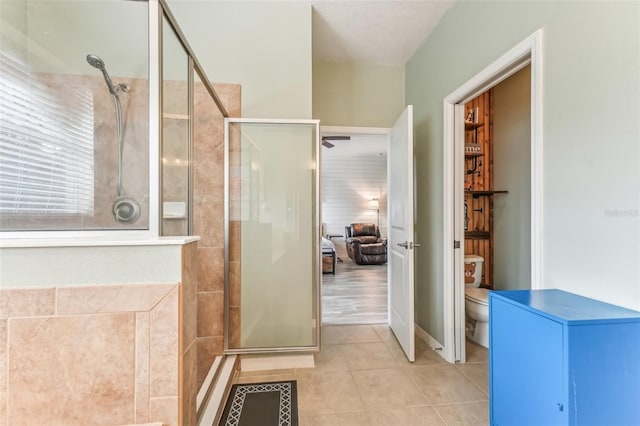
{"x": 529, "y": 51}
{"x": 276, "y": 362}
{"x": 155, "y": 97}
{"x": 210, "y": 413}
{"x": 85, "y": 241}
{"x": 341, "y": 130}
{"x": 448, "y": 231}
{"x": 429, "y": 340}
{"x": 272, "y": 121}
{"x": 208, "y": 382}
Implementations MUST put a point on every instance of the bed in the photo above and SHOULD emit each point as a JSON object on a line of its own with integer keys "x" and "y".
{"x": 328, "y": 256}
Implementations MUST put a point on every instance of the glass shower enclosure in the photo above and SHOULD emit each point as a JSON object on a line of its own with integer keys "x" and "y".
{"x": 273, "y": 235}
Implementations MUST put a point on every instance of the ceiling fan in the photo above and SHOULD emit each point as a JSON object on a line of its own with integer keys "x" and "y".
{"x": 326, "y": 139}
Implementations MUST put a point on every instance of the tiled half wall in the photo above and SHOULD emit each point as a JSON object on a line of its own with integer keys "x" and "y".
{"x": 100, "y": 355}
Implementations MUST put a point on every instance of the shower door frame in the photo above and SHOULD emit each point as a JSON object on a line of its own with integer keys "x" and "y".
{"x": 317, "y": 253}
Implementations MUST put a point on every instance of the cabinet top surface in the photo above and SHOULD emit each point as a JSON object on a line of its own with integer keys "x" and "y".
{"x": 568, "y": 307}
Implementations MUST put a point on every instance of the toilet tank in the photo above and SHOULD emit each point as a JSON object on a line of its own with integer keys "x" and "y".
{"x": 472, "y": 270}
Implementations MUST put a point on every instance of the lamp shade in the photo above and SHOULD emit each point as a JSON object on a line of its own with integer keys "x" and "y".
{"x": 374, "y": 204}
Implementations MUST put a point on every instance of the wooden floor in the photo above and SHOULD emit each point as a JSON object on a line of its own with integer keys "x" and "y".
{"x": 356, "y": 294}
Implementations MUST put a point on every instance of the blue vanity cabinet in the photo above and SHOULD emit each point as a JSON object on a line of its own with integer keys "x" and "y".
{"x": 556, "y": 358}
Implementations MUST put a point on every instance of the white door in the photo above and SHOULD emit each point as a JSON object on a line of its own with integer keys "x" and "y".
{"x": 400, "y": 244}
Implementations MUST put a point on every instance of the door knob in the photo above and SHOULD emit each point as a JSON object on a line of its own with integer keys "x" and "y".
{"x": 412, "y": 245}
{"x": 405, "y": 244}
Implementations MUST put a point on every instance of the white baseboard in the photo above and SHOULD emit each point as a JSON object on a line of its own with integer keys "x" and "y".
{"x": 276, "y": 362}
{"x": 429, "y": 340}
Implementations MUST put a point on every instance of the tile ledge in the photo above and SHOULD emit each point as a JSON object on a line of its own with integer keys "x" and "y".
{"x": 145, "y": 424}
{"x": 95, "y": 242}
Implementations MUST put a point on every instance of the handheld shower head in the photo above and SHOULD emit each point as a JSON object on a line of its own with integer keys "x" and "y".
{"x": 95, "y": 62}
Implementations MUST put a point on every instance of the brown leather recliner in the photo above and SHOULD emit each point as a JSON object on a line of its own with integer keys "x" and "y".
{"x": 364, "y": 245}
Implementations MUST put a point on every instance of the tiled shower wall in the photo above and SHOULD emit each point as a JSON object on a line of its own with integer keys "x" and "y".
{"x": 135, "y": 158}
{"x": 100, "y": 355}
{"x": 208, "y": 169}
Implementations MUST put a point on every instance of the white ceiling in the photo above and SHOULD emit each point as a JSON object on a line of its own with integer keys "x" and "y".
{"x": 359, "y": 146}
{"x": 381, "y": 31}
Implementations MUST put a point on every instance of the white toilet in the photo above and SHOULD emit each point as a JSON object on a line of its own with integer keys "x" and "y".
{"x": 476, "y": 303}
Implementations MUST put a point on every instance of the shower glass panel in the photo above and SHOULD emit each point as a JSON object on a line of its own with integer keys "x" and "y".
{"x": 175, "y": 134}
{"x": 74, "y": 114}
{"x": 273, "y": 235}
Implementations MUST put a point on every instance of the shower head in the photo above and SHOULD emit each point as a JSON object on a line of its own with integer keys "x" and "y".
{"x": 96, "y": 62}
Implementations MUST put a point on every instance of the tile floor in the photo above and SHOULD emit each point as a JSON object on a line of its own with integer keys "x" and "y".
{"x": 362, "y": 378}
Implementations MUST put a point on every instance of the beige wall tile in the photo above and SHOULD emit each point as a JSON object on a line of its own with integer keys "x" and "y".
{"x": 188, "y": 295}
{"x": 142, "y": 367}
{"x": 208, "y": 349}
{"x": 3, "y": 355}
{"x": 234, "y": 241}
{"x": 211, "y": 269}
{"x": 3, "y": 409}
{"x": 208, "y": 221}
{"x": 210, "y": 314}
{"x": 189, "y": 385}
{"x": 235, "y": 286}
{"x": 163, "y": 364}
{"x": 235, "y": 328}
{"x": 72, "y": 370}
{"x": 164, "y": 410}
{"x": 110, "y": 298}
{"x": 27, "y": 302}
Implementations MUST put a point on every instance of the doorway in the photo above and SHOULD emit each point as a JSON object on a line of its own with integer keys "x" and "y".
{"x": 528, "y": 52}
{"x": 353, "y": 190}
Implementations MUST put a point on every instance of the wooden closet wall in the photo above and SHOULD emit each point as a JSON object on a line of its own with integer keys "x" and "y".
{"x": 479, "y": 177}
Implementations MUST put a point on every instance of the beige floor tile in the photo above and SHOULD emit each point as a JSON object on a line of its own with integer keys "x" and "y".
{"x": 387, "y": 388}
{"x": 414, "y": 416}
{"x": 362, "y": 356}
{"x": 384, "y": 332}
{"x": 337, "y": 334}
{"x": 476, "y": 353}
{"x": 424, "y": 354}
{"x": 477, "y": 372}
{"x": 445, "y": 384}
{"x": 327, "y": 393}
{"x": 330, "y": 358}
{"x": 359, "y": 418}
{"x": 473, "y": 413}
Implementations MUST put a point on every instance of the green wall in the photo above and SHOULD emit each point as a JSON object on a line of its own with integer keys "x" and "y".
{"x": 357, "y": 94}
{"x": 591, "y": 131}
{"x": 264, "y": 46}
{"x": 512, "y": 172}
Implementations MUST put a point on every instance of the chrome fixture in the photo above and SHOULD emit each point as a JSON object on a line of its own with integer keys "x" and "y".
{"x": 125, "y": 210}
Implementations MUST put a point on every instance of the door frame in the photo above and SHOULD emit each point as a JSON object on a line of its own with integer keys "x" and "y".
{"x": 351, "y": 130}
{"x": 529, "y": 51}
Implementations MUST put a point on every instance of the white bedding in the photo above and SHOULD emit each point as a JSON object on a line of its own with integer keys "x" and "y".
{"x": 327, "y": 245}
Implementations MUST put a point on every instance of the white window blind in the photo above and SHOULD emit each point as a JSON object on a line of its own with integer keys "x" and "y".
{"x": 46, "y": 145}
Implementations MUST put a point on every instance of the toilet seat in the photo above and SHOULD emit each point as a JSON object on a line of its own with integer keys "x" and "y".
{"x": 477, "y": 295}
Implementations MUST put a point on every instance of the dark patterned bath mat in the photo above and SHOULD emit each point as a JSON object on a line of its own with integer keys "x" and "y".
{"x": 262, "y": 404}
